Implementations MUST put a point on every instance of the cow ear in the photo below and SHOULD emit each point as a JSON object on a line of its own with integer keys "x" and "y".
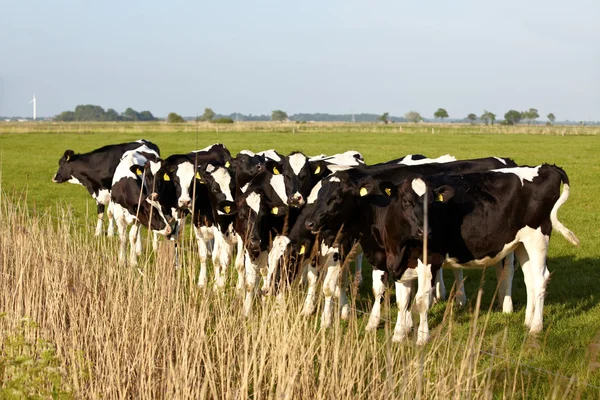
{"x": 319, "y": 168}
{"x": 365, "y": 187}
{"x": 69, "y": 154}
{"x": 227, "y": 207}
{"x": 273, "y": 167}
{"x": 279, "y": 209}
{"x": 137, "y": 170}
{"x": 388, "y": 189}
{"x": 443, "y": 193}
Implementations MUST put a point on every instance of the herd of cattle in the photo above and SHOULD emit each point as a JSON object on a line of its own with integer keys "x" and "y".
{"x": 295, "y": 215}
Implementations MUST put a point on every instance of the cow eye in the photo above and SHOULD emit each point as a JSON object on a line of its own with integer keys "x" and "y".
{"x": 259, "y": 167}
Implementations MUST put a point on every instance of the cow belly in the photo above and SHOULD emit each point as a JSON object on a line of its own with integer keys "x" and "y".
{"x": 478, "y": 263}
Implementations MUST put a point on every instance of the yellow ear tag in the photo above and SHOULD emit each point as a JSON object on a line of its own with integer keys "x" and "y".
{"x": 318, "y": 169}
{"x": 363, "y": 192}
{"x": 275, "y": 171}
{"x": 138, "y": 172}
{"x": 274, "y": 210}
{"x": 440, "y": 197}
{"x": 166, "y": 177}
{"x": 227, "y": 164}
{"x": 388, "y": 191}
{"x": 302, "y": 250}
{"x": 227, "y": 209}
{"x": 198, "y": 175}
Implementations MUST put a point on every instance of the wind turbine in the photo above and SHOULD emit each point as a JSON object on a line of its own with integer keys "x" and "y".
{"x": 34, "y": 106}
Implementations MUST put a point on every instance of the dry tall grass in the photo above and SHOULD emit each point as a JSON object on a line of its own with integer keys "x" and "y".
{"x": 149, "y": 332}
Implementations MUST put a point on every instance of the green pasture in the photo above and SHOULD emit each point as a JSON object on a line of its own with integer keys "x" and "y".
{"x": 572, "y": 312}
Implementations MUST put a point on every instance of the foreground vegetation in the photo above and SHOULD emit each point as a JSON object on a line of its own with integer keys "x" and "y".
{"x": 149, "y": 332}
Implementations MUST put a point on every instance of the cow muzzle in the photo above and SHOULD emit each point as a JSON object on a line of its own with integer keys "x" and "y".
{"x": 297, "y": 200}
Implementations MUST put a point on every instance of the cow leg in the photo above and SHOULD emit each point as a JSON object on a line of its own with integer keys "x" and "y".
{"x": 309, "y": 302}
{"x": 378, "y": 289}
{"x": 225, "y": 253}
{"x": 504, "y": 275}
{"x": 342, "y": 294}
{"x": 358, "y": 269}
{"x": 440, "y": 287}
{"x": 239, "y": 264}
{"x": 100, "y": 208}
{"x": 329, "y": 285}
{"x": 536, "y": 275}
{"x": 460, "y": 298}
{"x": 423, "y": 300}
{"x": 203, "y": 253}
{"x": 154, "y": 241}
{"x": 404, "y": 321}
{"x": 523, "y": 258}
{"x": 275, "y": 254}
{"x": 220, "y": 266}
{"x": 133, "y": 237}
{"x": 122, "y": 229}
{"x": 252, "y": 276}
{"x": 110, "y": 215}
{"x": 138, "y": 243}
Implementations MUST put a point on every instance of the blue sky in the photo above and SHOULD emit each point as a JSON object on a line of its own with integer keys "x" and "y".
{"x": 310, "y": 56}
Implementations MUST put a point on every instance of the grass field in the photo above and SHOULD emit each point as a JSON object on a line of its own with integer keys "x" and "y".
{"x": 194, "y": 344}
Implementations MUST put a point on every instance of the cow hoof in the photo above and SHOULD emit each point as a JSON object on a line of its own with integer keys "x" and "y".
{"x": 98, "y": 233}
{"x": 535, "y": 329}
{"x": 307, "y": 311}
{"x": 507, "y": 306}
{"x": 460, "y": 299}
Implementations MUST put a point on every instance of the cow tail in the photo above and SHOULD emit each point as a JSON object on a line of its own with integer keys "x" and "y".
{"x": 556, "y": 224}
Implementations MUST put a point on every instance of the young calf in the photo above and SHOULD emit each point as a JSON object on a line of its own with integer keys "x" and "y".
{"x": 476, "y": 220}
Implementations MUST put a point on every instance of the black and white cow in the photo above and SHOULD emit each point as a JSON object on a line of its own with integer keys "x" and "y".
{"x": 338, "y": 203}
{"x": 180, "y": 186}
{"x": 95, "y": 171}
{"x": 513, "y": 209}
{"x": 131, "y": 205}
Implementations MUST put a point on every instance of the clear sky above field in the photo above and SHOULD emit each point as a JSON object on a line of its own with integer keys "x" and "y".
{"x": 309, "y": 56}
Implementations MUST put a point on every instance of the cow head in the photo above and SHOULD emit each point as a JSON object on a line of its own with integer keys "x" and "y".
{"x": 66, "y": 168}
{"x": 254, "y": 212}
{"x": 173, "y": 182}
{"x": 247, "y": 165}
{"x": 409, "y": 210}
{"x": 220, "y": 185}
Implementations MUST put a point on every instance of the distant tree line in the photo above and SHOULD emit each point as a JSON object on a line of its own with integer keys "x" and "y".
{"x": 91, "y": 112}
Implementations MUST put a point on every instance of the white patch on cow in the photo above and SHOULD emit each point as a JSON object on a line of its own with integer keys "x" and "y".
{"x": 440, "y": 160}
{"x": 314, "y": 193}
{"x": 253, "y": 201}
{"x": 130, "y": 158}
{"x": 103, "y": 196}
{"x": 278, "y": 185}
{"x": 524, "y": 173}
{"x": 210, "y": 168}
{"x": 248, "y": 153}
{"x": 334, "y": 179}
{"x": 245, "y": 187}
{"x": 209, "y": 147}
{"x": 74, "y": 181}
{"x": 419, "y": 186}
{"x": 502, "y": 160}
{"x": 270, "y": 154}
{"x": 185, "y": 173}
{"x": 223, "y": 179}
{"x": 350, "y": 158}
{"x": 297, "y": 162}
{"x": 155, "y": 166}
